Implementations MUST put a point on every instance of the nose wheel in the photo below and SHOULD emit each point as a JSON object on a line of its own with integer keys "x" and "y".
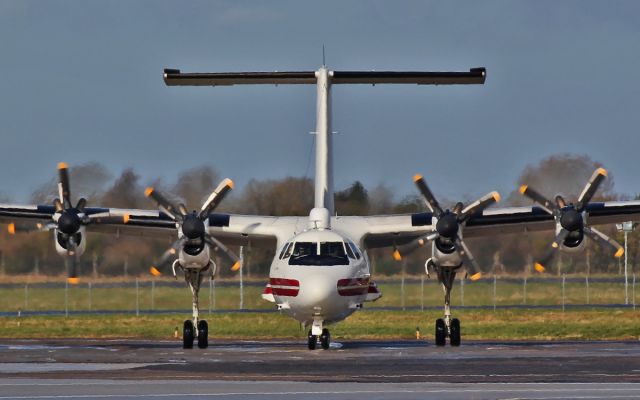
{"x": 188, "y": 335}
{"x": 325, "y": 339}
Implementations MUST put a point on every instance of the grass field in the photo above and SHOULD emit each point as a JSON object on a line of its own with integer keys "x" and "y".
{"x": 122, "y": 297}
{"x": 476, "y": 324}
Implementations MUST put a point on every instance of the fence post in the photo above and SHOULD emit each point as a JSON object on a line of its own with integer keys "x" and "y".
{"x": 66, "y": 298}
{"x": 213, "y": 294}
{"x": 524, "y": 290}
{"x": 462, "y": 292}
{"x": 241, "y": 281}
{"x": 495, "y": 284}
{"x": 563, "y": 282}
{"x": 90, "y": 297}
{"x": 26, "y": 296}
{"x": 137, "y": 299}
{"x": 421, "y": 292}
{"x": 153, "y": 295}
{"x": 402, "y": 286}
{"x": 210, "y": 292}
{"x": 586, "y": 278}
{"x": 633, "y": 291}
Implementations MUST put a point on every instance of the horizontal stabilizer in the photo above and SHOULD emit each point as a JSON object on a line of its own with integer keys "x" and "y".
{"x": 174, "y": 77}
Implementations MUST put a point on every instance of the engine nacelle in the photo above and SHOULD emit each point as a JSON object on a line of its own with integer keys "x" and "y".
{"x": 194, "y": 257}
{"x": 574, "y": 242}
{"x": 444, "y": 254}
{"x": 60, "y": 242}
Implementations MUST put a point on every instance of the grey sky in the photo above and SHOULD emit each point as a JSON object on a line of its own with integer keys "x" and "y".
{"x": 82, "y": 81}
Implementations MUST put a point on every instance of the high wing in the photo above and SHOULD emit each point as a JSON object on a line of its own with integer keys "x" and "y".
{"x": 232, "y": 229}
{"x": 396, "y": 230}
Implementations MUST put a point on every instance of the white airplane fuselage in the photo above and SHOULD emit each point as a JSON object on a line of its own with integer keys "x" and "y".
{"x": 319, "y": 275}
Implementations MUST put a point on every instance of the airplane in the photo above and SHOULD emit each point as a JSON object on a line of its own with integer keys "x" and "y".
{"x": 321, "y": 272}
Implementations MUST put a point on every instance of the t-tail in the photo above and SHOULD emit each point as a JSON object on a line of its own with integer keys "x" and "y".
{"x": 323, "y": 79}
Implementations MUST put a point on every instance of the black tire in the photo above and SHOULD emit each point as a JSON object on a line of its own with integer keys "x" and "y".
{"x": 312, "y": 340}
{"x": 325, "y": 339}
{"x": 455, "y": 332}
{"x": 441, "y": 332}
{"x": 203, "y": 334}
{"x": 187, "y": 335}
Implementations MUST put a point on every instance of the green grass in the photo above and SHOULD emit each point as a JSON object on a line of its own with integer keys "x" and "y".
{"x": 179, "y": 298}
{"x": 476, "y": 324}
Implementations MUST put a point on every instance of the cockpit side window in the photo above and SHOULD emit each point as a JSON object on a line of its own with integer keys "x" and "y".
{"x": 354, "y": 248}
{"x": 286, "y": 250}
{"x": 350, "y": 251}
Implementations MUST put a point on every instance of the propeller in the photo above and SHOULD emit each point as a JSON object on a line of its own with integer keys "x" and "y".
{"x": 448, "y": 227}
{"x": 192, "y": 225}
{"x": 571, "y": 219}
{"x": 67, "y": 220}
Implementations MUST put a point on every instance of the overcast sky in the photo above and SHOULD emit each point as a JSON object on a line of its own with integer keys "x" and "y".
{"x": 82, "y": 81}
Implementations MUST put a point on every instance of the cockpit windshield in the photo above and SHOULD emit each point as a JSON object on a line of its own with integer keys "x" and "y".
{"x": 323, "y": 253}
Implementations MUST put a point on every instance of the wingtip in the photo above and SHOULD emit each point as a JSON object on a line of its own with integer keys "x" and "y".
{"x": 523, "y": 188}
{"x": 539, "y": 267}
{"x": 396, "y": 255}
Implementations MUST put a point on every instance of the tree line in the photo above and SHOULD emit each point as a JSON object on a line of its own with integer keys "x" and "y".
{"x": 564, "y": 174}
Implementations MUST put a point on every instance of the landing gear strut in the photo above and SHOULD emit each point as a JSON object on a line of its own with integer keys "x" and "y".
{"x": 194, "y": 277}
{"x": 447, "y": 326}
{"x": 318, "y": 332}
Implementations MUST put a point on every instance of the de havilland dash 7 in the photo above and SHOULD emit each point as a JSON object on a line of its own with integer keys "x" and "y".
{"x": 321, "y": 273}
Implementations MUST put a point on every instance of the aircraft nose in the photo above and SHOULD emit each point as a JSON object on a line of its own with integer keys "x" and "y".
{"x": 316, "y": 290}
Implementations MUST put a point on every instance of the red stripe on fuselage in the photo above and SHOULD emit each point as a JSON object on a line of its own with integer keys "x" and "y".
{"x": 353, "y": 287}
{"x": 284, "y": 287}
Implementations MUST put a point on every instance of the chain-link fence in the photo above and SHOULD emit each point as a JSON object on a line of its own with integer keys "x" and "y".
{"x": 169, "y": 296}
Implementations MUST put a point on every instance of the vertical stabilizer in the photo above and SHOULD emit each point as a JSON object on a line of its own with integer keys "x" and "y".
{"x": 324, "y": 147}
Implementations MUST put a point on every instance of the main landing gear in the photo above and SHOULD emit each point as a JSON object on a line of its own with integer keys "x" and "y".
{"x": 196, "y": 328}
{"x": 318, "y": 332}
{"x": 447, "y": 326}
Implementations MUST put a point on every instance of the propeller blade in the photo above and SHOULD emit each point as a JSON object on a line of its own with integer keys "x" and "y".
{"x": 164, "y": 204}
{"x": 590, "y": 189}
{"x": 534, "y": 195}
{"x": 224, "y": 251}
{"x": 479, "y": 205}
{"x": 167, "y": 256}
{"x": 467, "y": 258}
{"x": 216, "y": 197}
{"x": 82, "y": 203}
{"x": 183, "y": 209}
{"x": 72, "y": 265}
{"x": 604, "y": 240}
{"x": 560, "y": 201}
{"x": 458, "y": 208}
{"x": 412, "y": 246}
{"x": 540, "y": 266}
{"x": 58, "y": 205}
{"x": 105, "y": 218}
{"x": 24, "y": 227}
{"x": 63, "y": 185}
{"x": 432, "y": 203}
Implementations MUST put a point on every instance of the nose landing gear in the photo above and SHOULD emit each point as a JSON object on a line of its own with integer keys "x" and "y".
{"x": 193, "y": 277}
{"x": 318, "y": 332}
{"x": 447, "y": 326}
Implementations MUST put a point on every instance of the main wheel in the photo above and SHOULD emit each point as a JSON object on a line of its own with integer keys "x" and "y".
{"x": 325, "y": 339}
{"x": 441, "y": 332}
{"x": 187, "y": 335}
{"x": 311, "y": 341}
{"x": 203, "y": 334}
{"x": 455, "y": 332}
